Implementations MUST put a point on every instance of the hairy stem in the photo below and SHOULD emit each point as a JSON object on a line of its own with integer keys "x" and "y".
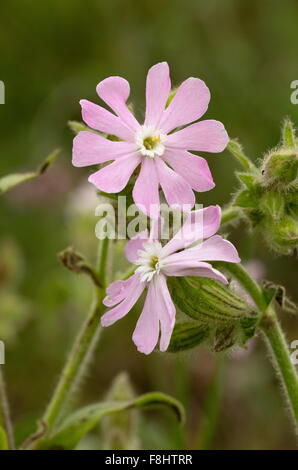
{"x": 5, "y": 420}
{"x": 230, "y": 214}
{"x": 275, "y": 338}
{"x": 78, "y": 356}
{"x": 282, "y": 360}
{"x": 247, "y": 282}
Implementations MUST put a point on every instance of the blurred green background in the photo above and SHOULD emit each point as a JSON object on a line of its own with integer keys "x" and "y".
{"x": 52, "y": 55}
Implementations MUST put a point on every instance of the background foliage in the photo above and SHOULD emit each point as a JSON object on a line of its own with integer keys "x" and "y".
{"x": 53, "y": 54}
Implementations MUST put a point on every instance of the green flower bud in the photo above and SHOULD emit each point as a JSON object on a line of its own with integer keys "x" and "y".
{"x": 273, "y": 204}
{"x": 224, "y": 338}
{"x": 280, "y": 169}
{"x": 207, "y": 300}
{"x": 187, "y": 336}
{"x": 285, "y": 235}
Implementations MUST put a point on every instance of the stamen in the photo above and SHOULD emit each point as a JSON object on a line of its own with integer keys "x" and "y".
{"x": 151, "y": 142}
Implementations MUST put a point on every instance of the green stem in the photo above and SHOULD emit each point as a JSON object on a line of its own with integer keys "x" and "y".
{"x": 282, "y": 360}
{"x": 5, "y": 420}
{"x": 78, "y": 356}
{"x": 102, "y": 260}
{"x": 275, "y": 338}
{"x": 230, "y": 214}
{"x": 246, "y": 281}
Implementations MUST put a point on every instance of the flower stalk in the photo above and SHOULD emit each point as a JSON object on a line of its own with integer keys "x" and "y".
{"x": 281, "y": 358}
{"x": 275, "y": 338}
{"x": 79, "y": 354}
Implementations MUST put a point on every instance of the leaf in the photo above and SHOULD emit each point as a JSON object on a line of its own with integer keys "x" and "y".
{"x": 247, "y": 179}
{"x": 75, "y": 426}
{"x": 236, "y": 150}
{"x": 187, "y": 336}
{"x": 10, "y": 181}
{"x": 246, "y": 198}
{"x": 76, "y": 127}
{"x": 3, "y": 439}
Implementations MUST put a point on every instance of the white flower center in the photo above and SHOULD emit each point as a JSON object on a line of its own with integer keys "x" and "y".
{"x": 149, "y": 261}
{"x": 150, "y": 141}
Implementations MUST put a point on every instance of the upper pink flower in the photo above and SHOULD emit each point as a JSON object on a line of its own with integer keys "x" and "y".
{"x": 154, "y": 263}
{"x": 157, "y": 145}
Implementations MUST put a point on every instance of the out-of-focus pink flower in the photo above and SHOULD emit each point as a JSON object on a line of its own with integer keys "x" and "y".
{"x": 154, "y": 263}
{"x": 158, "y": 145}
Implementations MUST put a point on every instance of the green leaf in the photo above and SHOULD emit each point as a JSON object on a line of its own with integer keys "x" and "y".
{"x": 237, "y": 151}
{"x": 76, "y": 127}
{"x": 10, "y": 181}
{"x": 75, "y": 426}
{"x": 288, "y": 134}
{"x": 246, "y": 198}
{"x": 3, "y": 439}
{"x": 187, "y": 336}
{"x": 248, "y": 179}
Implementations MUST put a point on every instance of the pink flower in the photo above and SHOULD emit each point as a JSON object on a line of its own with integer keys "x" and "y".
{"x": 157, "y": 145}
{"x": 154, "y": 263}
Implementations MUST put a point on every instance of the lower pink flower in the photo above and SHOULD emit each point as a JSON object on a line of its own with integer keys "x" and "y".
{"x": 154, "y": 263}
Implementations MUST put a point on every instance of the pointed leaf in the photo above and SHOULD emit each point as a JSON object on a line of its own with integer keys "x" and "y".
{"x": 10, "y": 181}
{"x": 247, "y": 179}
{"x": 75, "y": 426}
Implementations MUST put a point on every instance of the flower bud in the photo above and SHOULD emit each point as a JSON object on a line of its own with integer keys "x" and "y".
{"x": 285, "y": 235}
{"x": 280, "y": 169}
{"x": 272, "y": 203}
{"x": 207, "y": 300}
{"x": 187, "y": 336}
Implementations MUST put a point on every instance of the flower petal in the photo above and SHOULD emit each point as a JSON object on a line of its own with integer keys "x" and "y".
{"x": 158, "y": 87}
{"x": 202, "y": 223}
{"x": 193, "y": 169}
{"x": 134, "y": 245}
{"x": 114, "y": 177}
{"x": 91, "y": 149}
{"x": 115, "y": 91}
{"x": 215, "y": 248}
{"x": 205, "y": 136}
{"x": 176, "y": 190}
{"x": 166, "y": 311}
{"x": 194, "y": 268}
{"x": 145, "y": 192}
{"x": 118, "y": 290}
{"x": 102, "y": 120}
{"x": 189, "y": 104}
{"x": 132, "y": 295}
{"x": 145, "y": 335}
